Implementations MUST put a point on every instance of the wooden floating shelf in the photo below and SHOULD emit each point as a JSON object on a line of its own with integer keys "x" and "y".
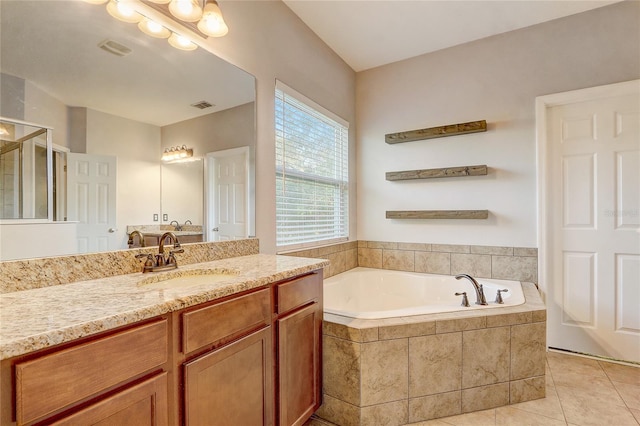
{"x": 438, "y": 173}
{"x": 436, "y": 132}
{"x": 438, "y": 214}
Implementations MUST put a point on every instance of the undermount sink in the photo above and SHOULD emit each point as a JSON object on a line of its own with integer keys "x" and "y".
{"x": 190, "y": 278}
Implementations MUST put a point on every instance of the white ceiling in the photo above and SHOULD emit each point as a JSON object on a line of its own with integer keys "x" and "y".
{"x": 370, "y": 33}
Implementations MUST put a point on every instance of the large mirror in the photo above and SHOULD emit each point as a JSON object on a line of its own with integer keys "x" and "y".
{"x": 116, "y": 99}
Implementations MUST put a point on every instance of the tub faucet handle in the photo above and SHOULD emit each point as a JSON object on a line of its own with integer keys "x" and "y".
{"x": 465, "y": 300}
{"x": 499, "y": 296}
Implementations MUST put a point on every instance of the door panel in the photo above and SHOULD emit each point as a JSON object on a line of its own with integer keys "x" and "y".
{"x": 593, "y": 216}
{"x": 227, "y": 206}
{"x": 91, "y": 189}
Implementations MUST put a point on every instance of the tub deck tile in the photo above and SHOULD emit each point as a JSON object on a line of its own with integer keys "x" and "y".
{"x": 460, "y": 324}
{"x": 508, "y": 319}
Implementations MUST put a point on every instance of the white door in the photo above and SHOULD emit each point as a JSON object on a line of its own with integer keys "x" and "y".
{"x": 91, "y": 196}
{"x": 593, "y": 226}
{"x": 227, "y": 177}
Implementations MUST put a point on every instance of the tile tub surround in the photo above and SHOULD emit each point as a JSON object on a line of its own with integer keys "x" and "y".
{"x": 17, "y": 275}
{"x": 508, "y": 263}
{"x": 43, "y": 317}
{"x": 410, "y": 369}
{"x": 342, "y": 256}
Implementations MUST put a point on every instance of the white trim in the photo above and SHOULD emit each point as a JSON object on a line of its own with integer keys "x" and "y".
{"x": 542, "y": 106}
{"x": 302, "y": 98}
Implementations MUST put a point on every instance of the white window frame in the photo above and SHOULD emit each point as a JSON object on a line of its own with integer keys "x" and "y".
{"x": 343, "y": 183}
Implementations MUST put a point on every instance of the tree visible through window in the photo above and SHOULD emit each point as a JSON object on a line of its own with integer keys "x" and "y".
{"x": 312, "y": 173}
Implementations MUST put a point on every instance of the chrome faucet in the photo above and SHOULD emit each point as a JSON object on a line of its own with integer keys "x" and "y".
{"x": 162, "y": 262}
{"x": 140, "y": 238}
{"x": 480, "y": 299}
{"x": 177, "y": 225}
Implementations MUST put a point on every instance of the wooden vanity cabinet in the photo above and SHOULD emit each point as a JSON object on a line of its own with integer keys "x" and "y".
{"x": 299, "y": 350}
{"x": 115, "y": 376}
{"x": 229, "y": 379}
{"x": 249, "y": 359}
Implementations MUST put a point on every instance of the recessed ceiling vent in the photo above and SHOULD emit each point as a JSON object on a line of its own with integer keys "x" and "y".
{"x": 202, "y": 105}
{"x": 114, "y": 47}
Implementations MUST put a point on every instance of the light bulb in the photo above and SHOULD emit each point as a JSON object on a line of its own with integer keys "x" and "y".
{"x": 153, "y": 29}
{"x": 181, "y": 42}
{"x": 120, "y": 10}
{"x": 212, "y": 22}
{"x": 187, "y": 10}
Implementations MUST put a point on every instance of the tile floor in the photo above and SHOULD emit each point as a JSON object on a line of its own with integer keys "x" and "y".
{"x": 580, "y": 392}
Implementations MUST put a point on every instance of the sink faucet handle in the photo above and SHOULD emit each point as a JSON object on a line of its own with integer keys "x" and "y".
{"x": 499, "y": 295}
{"x": 171, "y": 260}
{"x": 148, "y": 263}
{"x": 465, "y": 300}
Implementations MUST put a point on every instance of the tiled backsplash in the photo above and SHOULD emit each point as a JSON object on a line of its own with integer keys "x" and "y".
{"x": 27, "y": 274}
{"x": 511, "y": 263}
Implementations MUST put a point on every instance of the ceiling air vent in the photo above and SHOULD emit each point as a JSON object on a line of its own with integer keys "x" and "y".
{"x": 202, "y": 105}
{"x": 114, "y": 47}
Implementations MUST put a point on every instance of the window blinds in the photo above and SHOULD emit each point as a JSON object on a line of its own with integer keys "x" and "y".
{"x": 312, "y": 173}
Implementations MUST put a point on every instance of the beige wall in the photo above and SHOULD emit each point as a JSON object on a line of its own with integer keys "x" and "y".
{"x": 496, "y": 79}
{"x": 269, "y": 41}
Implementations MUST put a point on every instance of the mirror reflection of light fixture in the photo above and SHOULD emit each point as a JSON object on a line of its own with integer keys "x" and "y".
{"x": 3, "y": 130}
{"x": 212, "y": 22}
{"x": 181, "y": 42}
{"x": 177, "y": 153}
{"x": 152, "y": 28}
{"x": 120, "y": 10}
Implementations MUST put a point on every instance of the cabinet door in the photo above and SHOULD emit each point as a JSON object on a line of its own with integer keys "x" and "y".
{"x": 231, "y": 386}
{"x": 299, "y": 364}
{"x": 144, "y": 404}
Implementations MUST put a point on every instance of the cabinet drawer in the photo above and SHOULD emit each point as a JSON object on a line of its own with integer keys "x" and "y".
{"x": 52, "y": 382}
{"x": 298, "y": 292}
{"x": 225, "y": 320}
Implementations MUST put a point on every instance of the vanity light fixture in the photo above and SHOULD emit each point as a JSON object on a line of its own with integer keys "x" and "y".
{"x": 187, "y": 10}
{"x": 177, "y": 153}
{"x": 212, "y": 22}
{"x": 120, "y": 10}
{"x": 206, "y": 13}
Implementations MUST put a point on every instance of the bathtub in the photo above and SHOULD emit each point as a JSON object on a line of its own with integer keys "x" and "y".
{"x": 368, "y": 293}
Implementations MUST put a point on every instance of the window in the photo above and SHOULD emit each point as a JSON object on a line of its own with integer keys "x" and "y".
{"x": 312, "y": 172}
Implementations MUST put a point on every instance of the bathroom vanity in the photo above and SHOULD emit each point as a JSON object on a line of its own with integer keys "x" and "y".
{"x": 243, "y": 350}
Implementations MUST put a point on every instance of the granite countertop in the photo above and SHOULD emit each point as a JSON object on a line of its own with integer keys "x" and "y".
{"x": 176, "y": 233}
{"x": 39, "y": 318}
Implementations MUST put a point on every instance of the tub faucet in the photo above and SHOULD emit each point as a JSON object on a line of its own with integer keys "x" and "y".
{"x": 480, "y": 299}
